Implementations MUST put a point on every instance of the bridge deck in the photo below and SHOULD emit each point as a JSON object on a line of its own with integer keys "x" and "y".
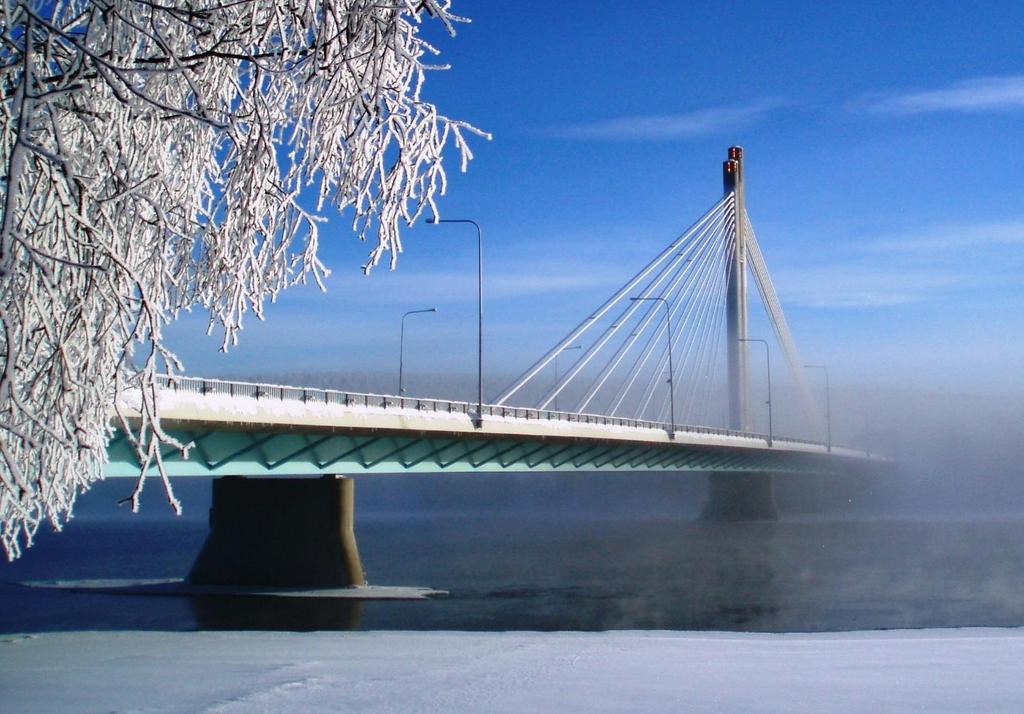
{"x": 245, "y": 429}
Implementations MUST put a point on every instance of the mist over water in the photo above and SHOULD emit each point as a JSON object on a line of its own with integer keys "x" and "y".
{"x": 936, "y": 539}
{"x": 956, "y": 451}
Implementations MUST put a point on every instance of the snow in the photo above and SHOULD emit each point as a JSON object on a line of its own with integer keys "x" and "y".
{"x": 217, "y": 210}
{"x": 243, "y": 407}
{"x": 920, "y": 670}
{"x": 192, "y": 406}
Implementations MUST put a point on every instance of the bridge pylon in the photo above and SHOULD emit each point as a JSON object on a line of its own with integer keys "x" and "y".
{"x": 733, "y": 496}
{"x": 736, "y": 296}
{"x": 281, "y": 532}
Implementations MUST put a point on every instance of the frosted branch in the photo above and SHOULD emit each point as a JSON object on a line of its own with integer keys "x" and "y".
{"x": 161, "y": 156}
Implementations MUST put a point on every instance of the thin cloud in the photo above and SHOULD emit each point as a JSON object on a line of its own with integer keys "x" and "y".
{"x": 983, "y": 94}
{"x": 934, "y": 262}
{"x": 667, "y": 127}
{"x": 460, "y": 286}
{"x": 864, "y": 287}
{"x": 953, "y": 237}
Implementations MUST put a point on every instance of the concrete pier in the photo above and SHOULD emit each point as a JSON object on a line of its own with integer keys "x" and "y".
{"x": 283, "y": 532}
{"x": 741, "y": 497}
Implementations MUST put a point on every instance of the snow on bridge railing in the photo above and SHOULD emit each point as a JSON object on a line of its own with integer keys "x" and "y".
{"x": 199, "y": 385}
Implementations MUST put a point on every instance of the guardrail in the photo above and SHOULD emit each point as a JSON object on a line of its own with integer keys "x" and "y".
{"x": 199, "y": 385}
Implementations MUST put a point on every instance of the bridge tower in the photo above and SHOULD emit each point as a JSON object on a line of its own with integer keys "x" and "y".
{"x": 739, "y": 497}
{"x": 736, "y": 296}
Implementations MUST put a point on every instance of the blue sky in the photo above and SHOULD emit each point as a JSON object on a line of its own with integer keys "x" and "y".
{"x": 884, "y": 178}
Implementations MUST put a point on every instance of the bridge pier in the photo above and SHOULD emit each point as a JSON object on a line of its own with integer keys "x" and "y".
{"x": 740, "y": 497}
{"x": 281, "y": 532}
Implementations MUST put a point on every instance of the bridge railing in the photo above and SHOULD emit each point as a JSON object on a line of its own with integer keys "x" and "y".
{"x": 312, "y": 395}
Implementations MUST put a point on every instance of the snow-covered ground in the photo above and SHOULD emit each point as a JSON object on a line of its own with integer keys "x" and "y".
{"x": 976, "y": 670}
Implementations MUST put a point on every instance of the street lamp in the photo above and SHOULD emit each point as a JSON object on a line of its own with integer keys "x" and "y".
{"x": 671, "y": 382}
{"x": 768, "y": 361}
{"x": 480, "y": 311}
{"x": 828, "y": 403}
{"x": 401, "y": 347}
{"x": 564, "y": 349}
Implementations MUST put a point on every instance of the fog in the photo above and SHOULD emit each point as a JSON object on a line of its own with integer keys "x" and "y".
{"x": 955, "y": 453}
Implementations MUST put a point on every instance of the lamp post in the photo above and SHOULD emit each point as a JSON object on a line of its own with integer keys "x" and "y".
{"x": 564, "y": 349}
{"x": 401, "y": 347}
{"x": 671, "y": 374}
{"x": 480, "y": 311}
{"x": 828, "y": 404}
{"x": 768, "y": 362}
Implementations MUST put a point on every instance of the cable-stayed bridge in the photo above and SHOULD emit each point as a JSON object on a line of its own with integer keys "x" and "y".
{"x": 669, "y": 324}
{"x": 658, "y": 380}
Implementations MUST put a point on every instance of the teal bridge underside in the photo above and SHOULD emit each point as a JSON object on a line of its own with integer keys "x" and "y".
{"x": 269, "y": 453}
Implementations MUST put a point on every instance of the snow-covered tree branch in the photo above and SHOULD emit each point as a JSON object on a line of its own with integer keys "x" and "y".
{"x": 160, "y": 155}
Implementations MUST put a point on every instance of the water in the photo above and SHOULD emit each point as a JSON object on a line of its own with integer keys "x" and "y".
{"x": 563, "y": 565}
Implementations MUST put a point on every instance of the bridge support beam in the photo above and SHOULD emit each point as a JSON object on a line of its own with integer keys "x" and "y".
{"x": 281, "y": 532}
{"x": 741, "y": 497}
